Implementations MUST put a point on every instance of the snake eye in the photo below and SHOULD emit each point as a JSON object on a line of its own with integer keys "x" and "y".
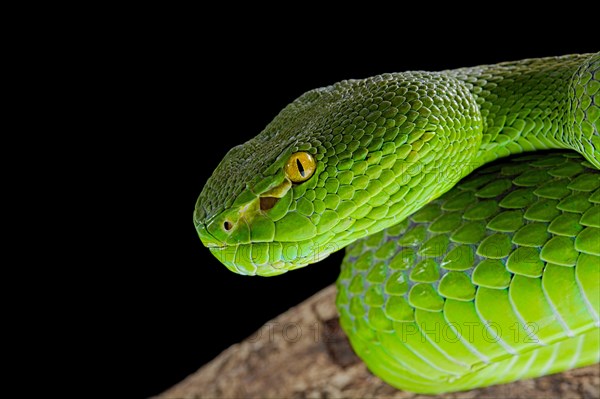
{"x": 300, "y": 167}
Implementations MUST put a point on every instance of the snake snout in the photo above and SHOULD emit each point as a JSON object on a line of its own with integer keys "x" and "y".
{"x": 207, "y": 239}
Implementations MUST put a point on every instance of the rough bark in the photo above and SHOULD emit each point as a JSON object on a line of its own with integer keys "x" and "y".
{"x": 304, "y": 354}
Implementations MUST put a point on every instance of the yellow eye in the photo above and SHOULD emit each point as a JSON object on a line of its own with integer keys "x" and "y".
{"x": 300, "y": 167}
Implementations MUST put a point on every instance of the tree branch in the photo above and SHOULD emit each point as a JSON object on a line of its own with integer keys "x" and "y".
{"x": 303, "y": 353}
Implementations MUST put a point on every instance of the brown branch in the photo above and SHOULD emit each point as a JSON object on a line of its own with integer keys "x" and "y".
{"x": 304, "y": 354}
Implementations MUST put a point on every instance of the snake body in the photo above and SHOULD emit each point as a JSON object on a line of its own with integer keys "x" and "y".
{"x": 452, "y": 280}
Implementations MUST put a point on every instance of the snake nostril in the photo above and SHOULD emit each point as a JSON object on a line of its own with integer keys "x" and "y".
{"x": 227, "y": 225}
{"x": 267, "y": 203}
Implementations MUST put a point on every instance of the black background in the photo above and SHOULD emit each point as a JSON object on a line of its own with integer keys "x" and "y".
{"x": 184, "y": 308}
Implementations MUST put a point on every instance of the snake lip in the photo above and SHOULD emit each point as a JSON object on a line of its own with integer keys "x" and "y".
{"x": 216, "y": 246}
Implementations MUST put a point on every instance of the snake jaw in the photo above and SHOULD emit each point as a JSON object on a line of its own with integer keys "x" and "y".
{"x": 240, "y": 260}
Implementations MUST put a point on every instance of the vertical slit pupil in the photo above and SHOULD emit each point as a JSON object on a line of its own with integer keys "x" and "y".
{"x": 300, "y": 167}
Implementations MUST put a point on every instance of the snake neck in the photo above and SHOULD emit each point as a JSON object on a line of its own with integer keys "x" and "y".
{"x": 537, "y": 104}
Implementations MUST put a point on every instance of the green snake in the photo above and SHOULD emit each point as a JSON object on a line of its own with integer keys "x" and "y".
{"x": 452, "y": 280}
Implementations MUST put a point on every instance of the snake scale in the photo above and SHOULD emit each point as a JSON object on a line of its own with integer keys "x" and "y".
{"x": 464, "y": 267}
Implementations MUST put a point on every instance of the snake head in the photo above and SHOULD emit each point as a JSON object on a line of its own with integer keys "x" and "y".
{"x": 335, "y": 165}
{"x": 256, "y": 212}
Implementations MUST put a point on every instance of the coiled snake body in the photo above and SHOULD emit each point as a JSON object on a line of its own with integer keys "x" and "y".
{"x": 451, "y": 280}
